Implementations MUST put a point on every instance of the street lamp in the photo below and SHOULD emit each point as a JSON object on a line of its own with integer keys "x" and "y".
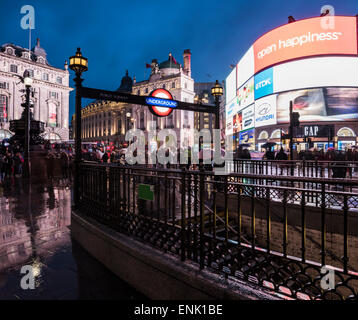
{"x": 27, "y": 80}
{"x": 128, "y": 115}
{"x": 217, "y": 91}
{"x": 78, "y": 64}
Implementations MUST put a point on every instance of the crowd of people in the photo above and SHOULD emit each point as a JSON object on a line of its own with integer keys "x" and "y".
{"x": 12, "y": 157}
{"x": 12, "y": 160}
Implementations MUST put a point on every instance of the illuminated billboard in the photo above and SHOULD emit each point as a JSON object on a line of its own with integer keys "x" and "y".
{"x": 237, "y": 123}
{"x": 315, "y": 66}
{"x": 247, "y": 137}
{"x": 264, "y": 83}
{"x": 321, "y": 104}
{"x": 245, "y": 67}
{"x": 314, "y": 73}
{"x": 245, "y": 94}
{"x": 265, "y": 111}
{"x": 304, "y": 38}
{"x": 230, "y": 86}
{"x": 248, "y": 117}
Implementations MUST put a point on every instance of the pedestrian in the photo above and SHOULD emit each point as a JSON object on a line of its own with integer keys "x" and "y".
{"x": 64, "y": 159}
{"x": 2, "y": 171}
{"x": 105, "y": 157}
{"x": 18, "y": 160}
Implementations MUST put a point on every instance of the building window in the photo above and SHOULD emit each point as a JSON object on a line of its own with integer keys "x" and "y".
{"x": 13, "y": 68}
{"x": 173, "y": 84}
{"x": 141, "y": 121}
{"x": 263, "y": 135}
{"x": 138, "y": 92}
{"x": 59, "y": 80}
{"x": 163, "y": 85}
{"x": 276, "y": 134}
{"x": 53, "y": 95}
{"x": 4, "y": 85}
{"x": 185, "y": 85}
{"x": 45, "y": 76}
{"x": 3, "y": 108}
{"x": 146, "y": 90}
{"x": 170, "y": 123}
{"x": 31, "y": 72}
{"x": 52, "y": 114}
{"x": 345, "y": 132}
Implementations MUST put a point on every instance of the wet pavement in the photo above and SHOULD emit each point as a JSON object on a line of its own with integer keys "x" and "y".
{"x": 35, "y": 230}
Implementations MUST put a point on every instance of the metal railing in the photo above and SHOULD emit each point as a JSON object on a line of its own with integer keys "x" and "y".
{"x": 297, "y": 168}
{"x": 274, "y": 231}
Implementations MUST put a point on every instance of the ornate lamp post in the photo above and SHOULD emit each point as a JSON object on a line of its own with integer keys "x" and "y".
{"x": 128, "y": 117}
{"x": 27, "y": 80}
{"x": 217, "y": 91}
{"x": 78, "y": 64}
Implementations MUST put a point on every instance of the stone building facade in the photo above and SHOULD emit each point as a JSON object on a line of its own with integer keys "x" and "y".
{"x": 106, "y": 121}
{"x": 171, "y": 76}
{"x": 51, "y": 85}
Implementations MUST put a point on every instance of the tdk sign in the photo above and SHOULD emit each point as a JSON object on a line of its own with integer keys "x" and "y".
{"x": 264, "y": 83}
{"x": 161, "y": 102}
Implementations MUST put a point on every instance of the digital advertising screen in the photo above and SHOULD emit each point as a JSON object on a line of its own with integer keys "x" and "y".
{"x": 341, "y": 104}
{"x": 321, "y": 104}
{"x": 247, "y": 137}
{"x": 245, "y": 67}
{"x": 230, "y": 86}
{"x": 237, "y": 122}
{"x": 315, "y": 72}
{"x": 248, "y": 117}
{"x": 304, "y": 38}
{"x": 308, "y": 103}
{"x": 265, "y": 111}
{"x": 245, "y": 94}
{"x": 264, "y": 83}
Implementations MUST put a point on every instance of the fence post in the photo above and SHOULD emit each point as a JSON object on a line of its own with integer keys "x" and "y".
{"x": 183, "y": 178}
{"x": 201, "y": 192}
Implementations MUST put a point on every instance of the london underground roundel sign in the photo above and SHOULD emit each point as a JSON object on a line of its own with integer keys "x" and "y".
{"x": 161, "y": 102}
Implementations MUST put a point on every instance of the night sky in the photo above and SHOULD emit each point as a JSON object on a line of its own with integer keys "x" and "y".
{"x": 118, "y": 35}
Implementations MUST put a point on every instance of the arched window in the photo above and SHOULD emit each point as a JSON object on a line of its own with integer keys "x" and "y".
{"x": 345, "y": 132}
{"x": 53, "y": 137}
{"x": 4, "y": 102}
{"x": 263, "y": 135}
{"x": 276, "y": 134}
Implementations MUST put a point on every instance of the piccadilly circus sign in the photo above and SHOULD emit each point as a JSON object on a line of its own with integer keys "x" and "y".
{"x": 160, "y": 103}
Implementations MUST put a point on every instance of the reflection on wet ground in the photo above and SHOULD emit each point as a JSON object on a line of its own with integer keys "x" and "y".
{"x": 35, "y": 230}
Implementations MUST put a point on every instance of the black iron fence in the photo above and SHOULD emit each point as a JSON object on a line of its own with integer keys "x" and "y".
{"x": 275, "y": 231}
{"x": 297, "y": 168}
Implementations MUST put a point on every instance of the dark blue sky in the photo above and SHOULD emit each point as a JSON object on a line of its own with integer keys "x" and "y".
{"x": 117, "y": 35}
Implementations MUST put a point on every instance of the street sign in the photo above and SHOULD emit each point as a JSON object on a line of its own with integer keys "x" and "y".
{"x": 118, "y": 96}
{"x": 146, "y": 192}
{"x": 158, "y": 101}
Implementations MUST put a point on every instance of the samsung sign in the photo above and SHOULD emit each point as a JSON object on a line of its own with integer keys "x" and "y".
{"x": 264, "y": 83}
